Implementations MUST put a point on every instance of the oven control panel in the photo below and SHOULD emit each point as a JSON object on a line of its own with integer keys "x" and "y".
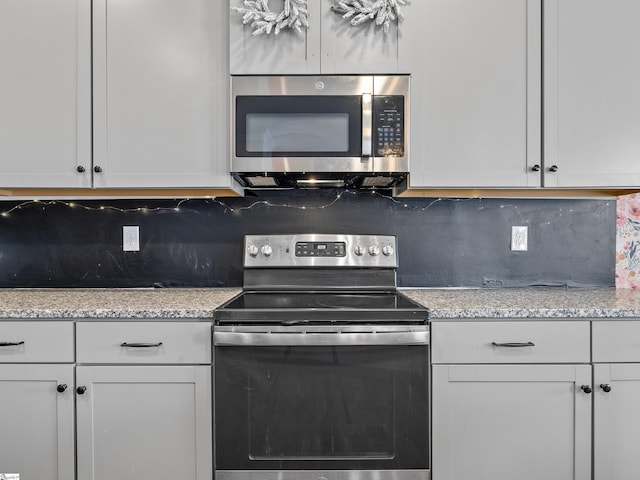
{"x": 322, "y": 250}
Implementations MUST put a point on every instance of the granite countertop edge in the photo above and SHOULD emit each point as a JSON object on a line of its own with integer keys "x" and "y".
{"x": 528, "y": 303}
{"x": 113, "y": 304}
{"x": 200, "y": 303}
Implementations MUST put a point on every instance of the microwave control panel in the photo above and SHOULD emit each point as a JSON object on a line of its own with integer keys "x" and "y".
{"x": 388, "y": 125}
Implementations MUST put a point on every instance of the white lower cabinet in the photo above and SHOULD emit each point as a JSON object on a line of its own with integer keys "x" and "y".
{"x": 144, "y": 422}
{"x": 36, "y": 421}
{"x": 36, "y": 400}
{"x": 137, "y": 418}
{"x": 507, "y": 407}
{"x": 616, "y": 356}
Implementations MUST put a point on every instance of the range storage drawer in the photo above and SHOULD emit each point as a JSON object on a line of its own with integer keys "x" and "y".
{"x": 616, "y": 341}
{"x": 36, "y": 342}
{"x": 514, "y": 341}
{"x": 143, "y": 342}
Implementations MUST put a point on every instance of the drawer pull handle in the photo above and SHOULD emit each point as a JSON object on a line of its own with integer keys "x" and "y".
{"x": 10, "y": 344}
{"x": 61, "y": 388}
{"x": 140, "y": 345}
{"x": 514, "y": 344}
{"x": 586, "y": 389}
{"x": 606, "y": 387}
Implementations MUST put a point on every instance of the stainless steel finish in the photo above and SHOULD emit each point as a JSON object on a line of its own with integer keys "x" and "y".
{"x": 309, "y": 165}
{"x": 367, "y": 115}
{"x": 294, "y": 335}
{"x": 323, "y": 85}
{"x": 279, "y": 251}
{"x": 302, "y": 85}
{"x": 323, "y": 475}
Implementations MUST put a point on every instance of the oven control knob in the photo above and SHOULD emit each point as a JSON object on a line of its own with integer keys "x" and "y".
{"x": 374, "y": 250}
{"x": 359, "y": 250}
{"x": 266, "y": 250}
{"x": 387, "y": 250}
{"x": 252, "y": 250}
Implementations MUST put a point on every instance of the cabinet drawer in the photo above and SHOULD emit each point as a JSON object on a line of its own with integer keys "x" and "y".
{"x": 616, "y": 341}
{"x": 36, "y": 342}
{"x": 143, "y": 342}
{"x": 510, "y": 342}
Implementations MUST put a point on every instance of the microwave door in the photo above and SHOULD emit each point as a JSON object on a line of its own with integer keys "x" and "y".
{"x": 299, "y": 126}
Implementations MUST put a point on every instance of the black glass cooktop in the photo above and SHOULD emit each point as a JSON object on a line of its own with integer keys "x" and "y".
{"x": 320, "y": 307}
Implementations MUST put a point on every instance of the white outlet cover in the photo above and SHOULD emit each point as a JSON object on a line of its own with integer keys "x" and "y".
{"x": 519, "y": 238}
{"x": 130, "y": 238}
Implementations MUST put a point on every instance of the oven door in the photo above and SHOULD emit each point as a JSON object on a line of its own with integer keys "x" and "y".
{"x": 321, "y": 402}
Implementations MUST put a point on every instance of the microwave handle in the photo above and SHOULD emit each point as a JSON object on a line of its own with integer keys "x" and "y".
{"x": 367, "y": 115}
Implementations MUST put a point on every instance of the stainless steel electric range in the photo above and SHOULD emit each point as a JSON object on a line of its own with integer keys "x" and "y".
{"x": 321, "y": 365}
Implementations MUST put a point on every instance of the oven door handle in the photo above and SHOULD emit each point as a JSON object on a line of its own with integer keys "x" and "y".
{"x": 337, "y": 338}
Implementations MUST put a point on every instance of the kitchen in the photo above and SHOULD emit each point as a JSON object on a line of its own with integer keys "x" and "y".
{"x": 446, "y": 238}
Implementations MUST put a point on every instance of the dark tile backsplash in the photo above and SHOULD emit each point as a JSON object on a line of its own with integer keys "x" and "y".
{"x": 198, "y": 243}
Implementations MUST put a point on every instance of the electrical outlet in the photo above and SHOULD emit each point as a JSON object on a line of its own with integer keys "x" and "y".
{"x": 519, "y": 239}
{"x": 130, "y": 238}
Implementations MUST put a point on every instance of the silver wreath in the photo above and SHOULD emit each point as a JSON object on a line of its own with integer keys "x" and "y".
{"x": 256, "y": 12}
{"x": 381, "y": 12}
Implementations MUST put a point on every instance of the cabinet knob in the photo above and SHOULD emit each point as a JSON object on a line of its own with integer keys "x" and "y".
{"x": 535, "y": 168}
{"x": 80, "y": 169}
{"x": 606, "y": 387}
{"x": 553, "y": 168}
{"x": 586, "y": 389}
{"x": 81, "y": 389}
{"x": 61, "y": 388}
{"x": 97, "y": 169}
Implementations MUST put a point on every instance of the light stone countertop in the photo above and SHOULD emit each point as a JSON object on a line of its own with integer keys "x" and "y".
{"x": 535, "y": 302}
{"x": 113, "y": 303}
{"x": 199, "y": 303}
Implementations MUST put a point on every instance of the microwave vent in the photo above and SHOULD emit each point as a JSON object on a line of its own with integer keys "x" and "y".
{"x": 261, "y": 181}
{"x": 378, "y": 181}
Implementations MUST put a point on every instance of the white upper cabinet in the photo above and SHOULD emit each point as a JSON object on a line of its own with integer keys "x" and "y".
{"x": 160, "y": 93}
{"x": 592, "y": 98}
{"x": 45, "y": 93}
{"x": 289, "y": 52}
{"x": 475, "y": 93}
{"x": 331, "y": 45}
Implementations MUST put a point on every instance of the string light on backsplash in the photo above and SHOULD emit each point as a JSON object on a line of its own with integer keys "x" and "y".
{"x": 413, "y": 204}
{"x": 75, "y": 205}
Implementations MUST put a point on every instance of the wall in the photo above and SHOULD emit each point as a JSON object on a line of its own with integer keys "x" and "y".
{"x": 628, "y": 242}
{"x": 442, "y": 242}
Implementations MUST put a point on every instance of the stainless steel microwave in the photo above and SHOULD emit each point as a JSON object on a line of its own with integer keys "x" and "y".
{"x": 310, "y": 131}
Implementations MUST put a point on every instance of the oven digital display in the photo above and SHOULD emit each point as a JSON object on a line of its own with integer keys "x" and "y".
{"x": 321, "y": 249}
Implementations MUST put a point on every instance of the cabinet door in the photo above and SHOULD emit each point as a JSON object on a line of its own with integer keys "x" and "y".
{"x": 160, "y": 93}
{"x": 475, "y": 93}
{"x": 287, "y": 53}
{"x": 36, "y": 421}
{"x": 364, "y": 48}
{"x": 144, "y": 422}
{"x": 616, "y": 422}
{"x": 45, "y": 93}
{"x": 500, "y": 422}
{"x": 592, "y": 99}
